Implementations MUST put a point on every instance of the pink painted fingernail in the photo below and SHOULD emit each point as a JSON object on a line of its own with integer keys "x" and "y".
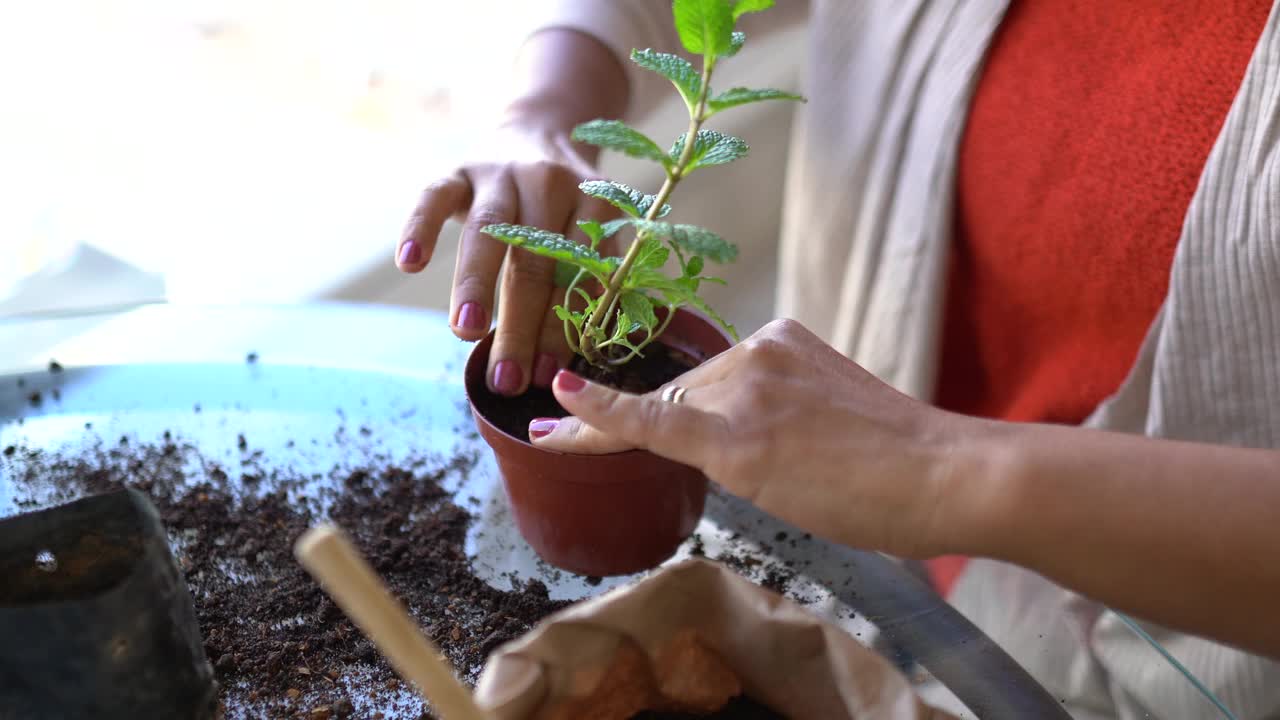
{"x": 544, "y": 369}
{"x": 569, "y": 382}
{"x": 410, "y": 253}
{"x": 507, "y": 377}
{"x": 472, "y": 317}
{"x": 542, "y": 427}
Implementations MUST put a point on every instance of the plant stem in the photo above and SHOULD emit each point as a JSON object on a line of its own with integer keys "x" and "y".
{"x": 609, "y": 301}
{"x": 568, "y": 298}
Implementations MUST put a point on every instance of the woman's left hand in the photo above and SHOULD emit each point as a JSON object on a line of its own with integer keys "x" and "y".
{"x": 1170, "y": 531}
{"x": 788, "y": 423}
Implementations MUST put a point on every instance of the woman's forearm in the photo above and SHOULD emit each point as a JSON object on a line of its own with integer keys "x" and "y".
{"x": 565, "y": 77}
{"x": 1183, "y": 534}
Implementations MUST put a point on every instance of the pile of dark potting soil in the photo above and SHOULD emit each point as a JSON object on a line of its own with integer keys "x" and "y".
{"x": 279, "y": 647}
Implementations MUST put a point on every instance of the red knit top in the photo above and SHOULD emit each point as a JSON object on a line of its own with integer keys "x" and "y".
{"x": 1085, "y": 142}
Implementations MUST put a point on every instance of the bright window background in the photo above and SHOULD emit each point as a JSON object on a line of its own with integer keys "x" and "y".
{"x": 242, "y": 150}
{"x": 269, "y": 151}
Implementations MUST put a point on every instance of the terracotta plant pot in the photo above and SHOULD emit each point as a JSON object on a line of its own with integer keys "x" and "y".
{"x": 610, "y": 514}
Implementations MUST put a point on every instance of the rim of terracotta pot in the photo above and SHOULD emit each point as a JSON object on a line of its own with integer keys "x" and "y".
{"x": 484, "y": 345}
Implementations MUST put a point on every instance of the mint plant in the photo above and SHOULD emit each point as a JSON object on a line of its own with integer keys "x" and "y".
{"x": 615, "y": 326}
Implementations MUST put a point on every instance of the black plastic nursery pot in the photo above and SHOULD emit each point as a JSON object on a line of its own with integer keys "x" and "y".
{"x": 95, "y": 617}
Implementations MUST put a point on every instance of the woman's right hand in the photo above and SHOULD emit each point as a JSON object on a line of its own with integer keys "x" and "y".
{"x": 529, "y": 176}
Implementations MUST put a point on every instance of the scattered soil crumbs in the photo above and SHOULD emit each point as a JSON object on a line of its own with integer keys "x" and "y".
{"x": 280, "y": 648}
{"x": 750, "y": 563}
{"x": 739, "y": 708}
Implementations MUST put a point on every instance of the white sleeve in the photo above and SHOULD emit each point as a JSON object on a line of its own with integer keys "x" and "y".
{"x": 624, "y": 25}
{"x": 1084, "y": 653}
{"x": 1247, "y": 684}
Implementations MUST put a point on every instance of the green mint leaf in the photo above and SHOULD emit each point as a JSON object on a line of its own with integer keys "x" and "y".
{"x": 567, "y": 315}
{"x": 636, "y": 306}
{"x": 678, "y": 292}
{"x": 694, "y": 266}
{"x": 647, "y": 202}
{"x": 674, "y": 68}
{"x": 698, "y": 241}
{"x": 593, "y": 230}
{"x": 627, "y": 199}
{"x": 623, "y": 342}
{"x": 736, "y": 42}
{"x": 710, "y": 148}
{"x": 649, "y": 279}
{"x": 552, "y": 245}
{"x": 705, "y": 26}
{"x": 617, "y": 135}
{"x": 742, "y": 7}
{"x": 614, "y": 226}
{"x": 597, "y": 231}
{"x": 566, "y": 273}
{"x": 621, "y": 326}
{"x": 652, "y": 254}
{"x": 741, "y": 96}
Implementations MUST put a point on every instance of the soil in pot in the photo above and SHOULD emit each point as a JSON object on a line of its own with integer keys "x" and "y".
{"x": 739, "y": 708}
{"x": 660, "y": 364}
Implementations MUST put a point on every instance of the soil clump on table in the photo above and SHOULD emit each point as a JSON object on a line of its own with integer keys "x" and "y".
{"x": 660, "y": 364}
{"x": 279, "y": 646}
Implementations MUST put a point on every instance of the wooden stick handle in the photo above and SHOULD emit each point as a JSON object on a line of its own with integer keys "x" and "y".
{"x": 332, "y": 560}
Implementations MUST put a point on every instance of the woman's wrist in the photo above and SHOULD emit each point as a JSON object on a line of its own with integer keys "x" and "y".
{"x": 548, "y": 111}
{"x": 1015, "y": 495}
{"x": 981, "y": 469}
{"x": 564, "y": 77}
